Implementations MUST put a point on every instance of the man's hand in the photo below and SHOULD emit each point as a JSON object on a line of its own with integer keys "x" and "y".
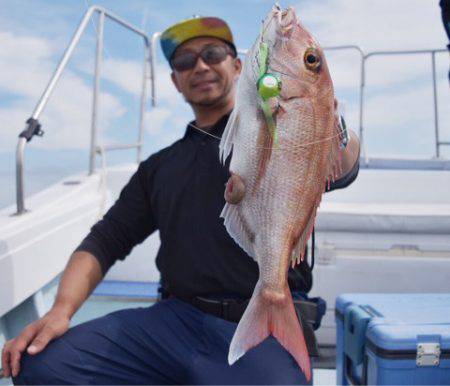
{"x": 81, "y": 275}
{"x": 34, "y": 338}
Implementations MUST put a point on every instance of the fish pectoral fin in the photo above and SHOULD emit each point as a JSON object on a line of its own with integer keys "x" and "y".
{"x": 228, "y": 136}
{"x": 271, "y": 312}
{"x": 238, "y": 228}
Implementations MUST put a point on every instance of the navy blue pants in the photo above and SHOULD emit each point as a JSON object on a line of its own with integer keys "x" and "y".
{"x": 170, "y": 342}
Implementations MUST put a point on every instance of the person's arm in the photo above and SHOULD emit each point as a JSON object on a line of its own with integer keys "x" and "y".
{"x": 80, "y": 277}
{"x": 350, "y": 154}
{"x": 350, "y": 163}
{"x": 128, "y": 222}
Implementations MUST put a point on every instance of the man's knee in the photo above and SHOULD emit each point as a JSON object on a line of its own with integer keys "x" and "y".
{"x": 58, "y": 363}
{"x": 33, "y": 370}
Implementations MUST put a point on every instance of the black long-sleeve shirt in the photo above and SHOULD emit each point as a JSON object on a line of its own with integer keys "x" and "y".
{"x": 179, "y": 191}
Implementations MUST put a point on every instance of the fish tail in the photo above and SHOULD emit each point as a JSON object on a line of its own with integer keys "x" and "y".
{"x": 271, "y": 312}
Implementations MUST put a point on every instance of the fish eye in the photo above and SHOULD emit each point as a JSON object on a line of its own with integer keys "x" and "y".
{"x": 312, "y": 59}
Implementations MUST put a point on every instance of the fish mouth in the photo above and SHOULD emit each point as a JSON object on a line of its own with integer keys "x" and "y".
{"x": 288, "y": 17}
{"x": 288, "y": 21}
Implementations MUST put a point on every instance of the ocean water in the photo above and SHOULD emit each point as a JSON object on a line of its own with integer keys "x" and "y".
{"x": 34, "y": 183}
{"x": 46, "y": 167}
{"x": 37, "y": 177}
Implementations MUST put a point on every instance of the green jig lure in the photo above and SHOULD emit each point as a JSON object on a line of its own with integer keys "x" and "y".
{"x": 269, "y": 86}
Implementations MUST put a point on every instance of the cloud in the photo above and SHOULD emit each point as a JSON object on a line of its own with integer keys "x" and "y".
{"x": 127, "y": 74}
{"x": 66, "y": 119}
{"x": 398, "y": 110}
{"x": 381, "y": 71}
{"x": 156, "y": 119}
{"x": 26, "y": 63}
{"x": 25, "y": 68}
{"x": 165, "y": 90}
{"x": 344, "y": 68}
{"x": 401, "y": 121}
{"x": 374, "y": 25}
{"x": 166, "y": 122}
{"x": 164, "y": 127}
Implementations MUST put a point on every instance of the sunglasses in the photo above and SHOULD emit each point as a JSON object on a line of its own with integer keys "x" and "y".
{"x": 210, "y": 55}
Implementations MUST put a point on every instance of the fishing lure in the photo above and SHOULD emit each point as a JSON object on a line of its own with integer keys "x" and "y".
{"x": 269, "y": 86}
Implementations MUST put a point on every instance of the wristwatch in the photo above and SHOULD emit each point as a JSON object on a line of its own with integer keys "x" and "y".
{"x": 344, "y": 133}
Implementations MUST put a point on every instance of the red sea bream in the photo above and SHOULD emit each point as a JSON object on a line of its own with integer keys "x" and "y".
{"x": 281, "y": 162}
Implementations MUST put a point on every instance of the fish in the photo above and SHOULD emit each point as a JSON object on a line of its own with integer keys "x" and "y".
{"x": 285, "y": 148}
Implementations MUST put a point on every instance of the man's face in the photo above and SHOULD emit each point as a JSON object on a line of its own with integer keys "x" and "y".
{"x": 206, "y": 84}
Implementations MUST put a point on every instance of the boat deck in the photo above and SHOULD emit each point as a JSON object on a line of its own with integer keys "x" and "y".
{"x": 112, "y": 295}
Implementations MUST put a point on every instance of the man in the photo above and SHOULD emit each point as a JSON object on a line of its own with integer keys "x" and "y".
{"x": 205, "y": 276}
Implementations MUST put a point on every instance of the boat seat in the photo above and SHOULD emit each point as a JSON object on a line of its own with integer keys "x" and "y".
{"x": 128, "y": 290}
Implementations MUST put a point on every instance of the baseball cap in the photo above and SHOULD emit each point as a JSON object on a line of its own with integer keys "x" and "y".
{"x": 195, "y": 27}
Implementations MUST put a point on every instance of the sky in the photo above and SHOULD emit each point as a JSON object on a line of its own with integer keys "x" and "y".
{"x": 398, "y": 115}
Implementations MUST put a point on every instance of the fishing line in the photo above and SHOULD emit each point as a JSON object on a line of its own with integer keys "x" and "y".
{"x": 271, "y": 148}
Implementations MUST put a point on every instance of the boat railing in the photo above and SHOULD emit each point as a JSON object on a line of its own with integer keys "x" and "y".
{"x": 432, "y": 53}
{"x": 34, "y": 127}
{"x": 362, "y": 87}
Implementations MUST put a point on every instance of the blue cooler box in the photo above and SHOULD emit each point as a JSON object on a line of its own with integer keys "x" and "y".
{"x": 393, "y": 339}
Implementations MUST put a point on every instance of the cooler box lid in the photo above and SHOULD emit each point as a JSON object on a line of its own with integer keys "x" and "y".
{"x": 392, "y": 305}
{"x": 393, "y": 339}
{"x": 395, "y": 326}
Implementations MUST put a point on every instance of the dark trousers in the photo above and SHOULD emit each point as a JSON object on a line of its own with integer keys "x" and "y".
{"x": 170, "y": 342}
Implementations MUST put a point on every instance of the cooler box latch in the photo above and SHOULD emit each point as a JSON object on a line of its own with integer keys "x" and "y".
{"x": 356, "y": 319}
{"x": 428, "y": 354}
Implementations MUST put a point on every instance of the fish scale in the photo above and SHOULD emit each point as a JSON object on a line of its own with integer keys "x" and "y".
{"x": 284, "y": 178}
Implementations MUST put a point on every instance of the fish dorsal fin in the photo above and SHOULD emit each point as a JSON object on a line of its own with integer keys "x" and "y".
{"x": 238, "y": 229}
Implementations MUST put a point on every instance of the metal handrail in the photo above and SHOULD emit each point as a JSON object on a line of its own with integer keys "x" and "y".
{"x": 99, "y": 149}
{"x": 433, "y": 53}
{"x": 155, "y": 37}
{"x": 33, "y": 126}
